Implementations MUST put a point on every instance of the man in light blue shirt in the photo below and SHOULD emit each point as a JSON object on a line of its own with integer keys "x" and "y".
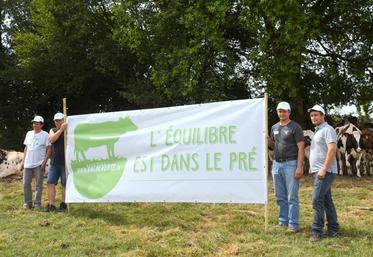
{"x": 324, "y": 170}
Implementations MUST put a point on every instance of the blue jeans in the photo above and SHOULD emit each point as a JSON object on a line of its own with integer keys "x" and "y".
{"x": 286, "y": 191}
{"x": 56, "y": 171}
{"x": 322, "y": 204}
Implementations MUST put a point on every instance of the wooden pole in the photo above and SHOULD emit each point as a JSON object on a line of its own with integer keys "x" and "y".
{"x": 266, "y": 159}
{"x": 65, "y": 143}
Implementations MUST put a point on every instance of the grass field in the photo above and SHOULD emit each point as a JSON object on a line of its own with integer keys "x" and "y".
{"x": 144, "y": 229}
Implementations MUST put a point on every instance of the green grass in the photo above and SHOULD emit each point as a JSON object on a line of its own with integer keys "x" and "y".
{"x": 145, "y": 229}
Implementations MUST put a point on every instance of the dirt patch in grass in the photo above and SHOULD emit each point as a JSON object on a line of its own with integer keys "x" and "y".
{"x": 229, "y": 250}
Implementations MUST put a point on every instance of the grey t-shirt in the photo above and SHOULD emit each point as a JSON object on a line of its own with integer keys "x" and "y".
{"x": 286, "y": 139}
{"x": 324, "y": 135}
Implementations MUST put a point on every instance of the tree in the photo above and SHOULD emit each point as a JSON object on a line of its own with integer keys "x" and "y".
{"x": 15, "y": 95}
{"x": 313, "y": 51}
{"x": 115, "y": 55}
{"x": 188, "y": 50}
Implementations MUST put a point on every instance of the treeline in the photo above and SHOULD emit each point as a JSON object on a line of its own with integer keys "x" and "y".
{"x": 120, "y": 55}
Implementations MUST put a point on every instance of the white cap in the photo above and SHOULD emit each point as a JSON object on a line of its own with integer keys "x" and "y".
{"x": 58, "y": 116}
{"x": 317, "y": 108}
{"x": 283, "y": 106}
{"x": 38, "y": 119}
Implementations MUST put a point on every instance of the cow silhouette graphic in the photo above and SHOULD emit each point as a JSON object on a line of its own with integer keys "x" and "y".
{"x": 90, "y": 135}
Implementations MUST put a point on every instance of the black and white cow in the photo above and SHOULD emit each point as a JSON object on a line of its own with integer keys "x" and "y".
{"x": 10, "y": 163}
{"x": 308, "y": 136}
{"x": 349, "y": 149}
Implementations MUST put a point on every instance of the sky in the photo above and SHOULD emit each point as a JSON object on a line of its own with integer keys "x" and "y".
{"x": 347, "y": 110}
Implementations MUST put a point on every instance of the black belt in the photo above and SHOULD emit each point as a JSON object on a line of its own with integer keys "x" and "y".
{"x": 285, "y": 159}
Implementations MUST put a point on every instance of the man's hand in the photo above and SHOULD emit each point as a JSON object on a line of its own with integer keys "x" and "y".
{"x": 43, "y": 166}
{"x": 321, "y": 174}
{"x": 63, "y": 126}
{"x": 298, "y": 173}
{"x": 22, "y": 164}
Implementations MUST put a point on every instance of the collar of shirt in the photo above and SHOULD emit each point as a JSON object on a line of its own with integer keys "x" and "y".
{"x": 321, "y": 126}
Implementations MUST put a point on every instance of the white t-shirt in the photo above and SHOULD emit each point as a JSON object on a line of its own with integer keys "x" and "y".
{"x": 36, "y": 148}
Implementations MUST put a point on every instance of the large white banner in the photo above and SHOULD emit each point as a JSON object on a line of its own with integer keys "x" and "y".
{"x": 211, "y": 152}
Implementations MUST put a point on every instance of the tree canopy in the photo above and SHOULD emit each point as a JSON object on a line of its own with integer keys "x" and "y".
{"x": 119, "y": 55}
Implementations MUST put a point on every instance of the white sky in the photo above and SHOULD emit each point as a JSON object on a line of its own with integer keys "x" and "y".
{"x": 347, "y": 110}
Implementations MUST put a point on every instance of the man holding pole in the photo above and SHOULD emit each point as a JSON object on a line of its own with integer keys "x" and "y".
{"x": 57, "y": 165}
{"x": 287, "y": 137}
{"x": 324, "y": 170}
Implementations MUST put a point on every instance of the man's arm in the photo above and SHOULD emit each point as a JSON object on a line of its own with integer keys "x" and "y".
{"x": 300, "y": 159}
{"x": 270, "y": 140}
{"x": 53, "y": 136}
{"x": 47, "y": 156}
{"x": 271, "y": 144}
{"x": 330, "y": 156}
{"x": 24, "y": 158}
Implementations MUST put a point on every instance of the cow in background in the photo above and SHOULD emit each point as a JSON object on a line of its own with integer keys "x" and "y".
{"x": 10, "y": 163}
{"x": 367, "y": 144}
{"x": 308, "y": 136}
{"x": 349, "y": 148}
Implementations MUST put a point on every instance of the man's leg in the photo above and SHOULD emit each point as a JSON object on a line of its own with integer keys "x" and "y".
{"x": 39, "y": 176}
{"x": 331, "y": 214}
{"x": 52, "y": 182}
{"x": 280, "y": 192}
{"x": 51, "y": 194}
{"x": 320, "y": 189}
{"x": 292, "y": 187}
{"x": 63, "y": 193}
{"x": 63, "y": 205}
{"x": 27, "y": 178}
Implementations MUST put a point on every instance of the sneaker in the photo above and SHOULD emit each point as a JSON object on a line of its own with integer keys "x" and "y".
{"x": 27, "y": 206}
{"x": 37, "y": 207}
{"x": 63, "y": 207}
{"x": 50, "y": 208}
{"x": 315, "y": 238}
{"x": 280, "y": 226}
{"x": 333, "y": 234}
{"x": 292, "y": 230}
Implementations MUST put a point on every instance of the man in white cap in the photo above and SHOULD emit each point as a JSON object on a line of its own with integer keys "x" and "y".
{"x": 287, "y": 167}
{"x": 57, "y": 165}
{"x": 323, "y": 166}
{"x": 36, "y": 153}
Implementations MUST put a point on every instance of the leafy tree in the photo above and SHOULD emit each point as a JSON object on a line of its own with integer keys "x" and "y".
{"x": 313, "y": 51}
{"x": 106, "y": 55}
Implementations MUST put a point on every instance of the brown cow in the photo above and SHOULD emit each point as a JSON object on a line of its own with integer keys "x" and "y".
{"x": 367, "y": 144}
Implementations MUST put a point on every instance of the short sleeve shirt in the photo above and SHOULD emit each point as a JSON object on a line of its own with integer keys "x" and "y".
{"x": 37, "y": 144}
{"x": 286, "y": 138}
{"x": 324, "y": 135}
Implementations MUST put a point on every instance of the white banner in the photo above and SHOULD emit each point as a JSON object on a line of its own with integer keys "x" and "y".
{"x": 211, "y": 152}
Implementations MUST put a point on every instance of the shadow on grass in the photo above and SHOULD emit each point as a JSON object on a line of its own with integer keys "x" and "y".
{"x": 353, "y": 232}
{"x": 159, "y": 215}
{"x": 108, "y": 215}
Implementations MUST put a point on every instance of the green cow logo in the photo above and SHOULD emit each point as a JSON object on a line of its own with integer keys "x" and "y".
{"x": 95, "y": 178}
{"x": 90, "y": 135}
